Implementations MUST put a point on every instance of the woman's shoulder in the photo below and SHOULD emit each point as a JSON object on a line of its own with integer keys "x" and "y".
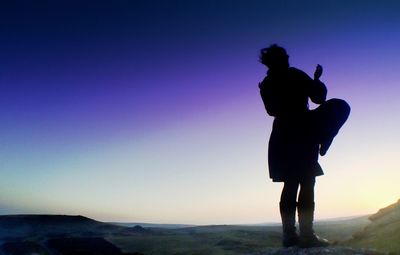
{"x": 298, "y": 74}
{"x": 264, "y": 83}
{"x": 297, "y": 71}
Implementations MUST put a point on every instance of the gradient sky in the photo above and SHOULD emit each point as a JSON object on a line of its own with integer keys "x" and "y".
{"x": 149, "y": 111}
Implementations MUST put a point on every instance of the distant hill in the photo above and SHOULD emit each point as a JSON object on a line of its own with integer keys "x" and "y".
{"x": 61, "y": 234}
{"x": 383, "y": 231}
{"x": 151, "y": 225}
{"x": 13, "y": 226}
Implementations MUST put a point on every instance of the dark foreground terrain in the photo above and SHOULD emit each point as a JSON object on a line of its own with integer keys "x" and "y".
{"x": 60, "y": 234}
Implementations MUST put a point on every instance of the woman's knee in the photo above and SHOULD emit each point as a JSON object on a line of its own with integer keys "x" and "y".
{"x": 339, "y": 106}
{"x": 289, "y": 192}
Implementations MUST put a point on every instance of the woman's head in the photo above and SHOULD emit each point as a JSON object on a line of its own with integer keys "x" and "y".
{"x": 274, "y": 57}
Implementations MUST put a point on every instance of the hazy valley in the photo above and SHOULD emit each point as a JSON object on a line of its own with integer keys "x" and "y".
{"x": 61, "y": 234}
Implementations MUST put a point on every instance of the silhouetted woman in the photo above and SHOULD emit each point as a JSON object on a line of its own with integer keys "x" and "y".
{"x": 298, "y": 136}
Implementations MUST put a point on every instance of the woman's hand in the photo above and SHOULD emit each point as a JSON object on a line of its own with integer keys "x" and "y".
{"x": 318, "y": 72}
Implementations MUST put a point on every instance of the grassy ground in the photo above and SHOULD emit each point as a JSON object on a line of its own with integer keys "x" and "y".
{"x": 212, "y": 243}
{"x": 229, "y": 240}
{"x": 383, "y": 238}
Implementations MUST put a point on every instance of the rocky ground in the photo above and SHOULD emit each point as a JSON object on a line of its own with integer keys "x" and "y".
{"x": 335, "y": 250}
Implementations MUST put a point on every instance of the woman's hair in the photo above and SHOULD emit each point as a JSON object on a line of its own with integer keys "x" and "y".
{"x": 273, "y": 55}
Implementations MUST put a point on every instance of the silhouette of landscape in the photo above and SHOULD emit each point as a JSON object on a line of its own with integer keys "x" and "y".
{"x": 188, "y": 111}
{"x": 63, "y": 234}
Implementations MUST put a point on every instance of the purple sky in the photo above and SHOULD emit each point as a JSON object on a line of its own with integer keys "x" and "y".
{"x": 123, "y": 110}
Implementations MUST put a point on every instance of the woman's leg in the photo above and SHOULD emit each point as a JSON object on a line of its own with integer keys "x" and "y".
{"x": 306, "y": 194}
{"x": 306, "y": 208}
{"x": 287, "y": 208}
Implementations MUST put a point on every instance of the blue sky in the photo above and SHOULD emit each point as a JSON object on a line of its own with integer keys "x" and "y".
{"x": 150, "y": 111}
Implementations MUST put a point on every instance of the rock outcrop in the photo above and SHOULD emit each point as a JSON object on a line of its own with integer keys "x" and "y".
{"x": 334, "y": 250}
{"x": 383, "y": 232}
{"x": 389, "y": 214}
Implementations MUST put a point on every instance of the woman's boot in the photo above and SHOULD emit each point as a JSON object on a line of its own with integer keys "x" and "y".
{"x": 308, "y": 238}
{"x": 288, "y": 215}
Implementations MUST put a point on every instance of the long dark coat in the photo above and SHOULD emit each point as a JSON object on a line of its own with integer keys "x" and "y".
{"x": 294, "y": 142}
